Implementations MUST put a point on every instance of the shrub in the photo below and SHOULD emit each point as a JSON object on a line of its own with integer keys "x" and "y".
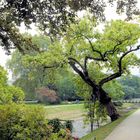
{"x": 9, "y": 94}
{"x": 61, "y": 131}
{"x": 56, "y": 124}
{"x": 47, "y": 95}
{"x": 20, "y": 122}
{"x": 68, "y": 125}
{"x": 24, "y": 122}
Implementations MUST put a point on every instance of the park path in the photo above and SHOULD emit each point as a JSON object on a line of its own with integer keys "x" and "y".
{"x": 129, "y": 129}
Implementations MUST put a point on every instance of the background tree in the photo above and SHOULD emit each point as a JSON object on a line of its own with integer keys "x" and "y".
{"x": 31, "y": 77}
{"x": 115, "y": 90}
{"x": 28, "y": 77}
{"x": 66, "y": 86}
{"x": 131, "y": 86}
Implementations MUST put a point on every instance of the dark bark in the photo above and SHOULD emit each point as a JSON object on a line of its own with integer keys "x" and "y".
{"x": 91, "y": 125}
{"x": 106, "y": 101}
{"x": 112, "y": 112}
{"x": 98, "y": 123}
{"x": 92, "y": 109}
{"x": 120, "y": 67}
{"x": 98, "y": 92}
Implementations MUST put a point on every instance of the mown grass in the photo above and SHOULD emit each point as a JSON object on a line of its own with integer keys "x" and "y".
{"x": 70, "y": 112}
{"x": 126, "y": 105}
{"x": 102, "y": 132}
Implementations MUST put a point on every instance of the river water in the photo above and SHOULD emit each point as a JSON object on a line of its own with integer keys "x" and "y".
{"x": 80, "y": 129}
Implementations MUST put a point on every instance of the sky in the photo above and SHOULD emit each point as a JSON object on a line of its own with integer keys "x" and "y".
{"x": 110, "y": 14}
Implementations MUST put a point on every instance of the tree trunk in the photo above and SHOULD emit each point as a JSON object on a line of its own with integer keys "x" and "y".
{"x": 91, "y": 111}
{"x": 98, "y": 124}
{"x": 112, "y": 112}
{"x": 106, "y": 101}
{"x": 91, "y": 125}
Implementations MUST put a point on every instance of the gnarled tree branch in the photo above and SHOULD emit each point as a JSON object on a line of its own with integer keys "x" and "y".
{"x": 120, "y": 69}
{"x": 81, "y": 71}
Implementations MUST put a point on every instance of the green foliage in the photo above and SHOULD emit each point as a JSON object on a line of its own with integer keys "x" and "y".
{"x": 62, "y": 135}
{"x": 62, "y": 14}
{"x": 115, "y": 90}
{"x": 29, "y": 76}
{"x": 23, "y": 122}
{"x": 66, "y": 86}
{"x": 56, "y": 124}
{"x": 11, "y": 94}
{"x": 8, "y": 93}
{"x": 3, "y": 77}
{"x": 29, "y": 73}
{"x": 79, "y": 42}
{"x": 84, "y": 40}
{"x": 130, "y": 85}
{"x": 68, "y": 125}
{"x": 29, "y": 122}
{"x": 96, "y": 112}
{"x": 17, "y": 94}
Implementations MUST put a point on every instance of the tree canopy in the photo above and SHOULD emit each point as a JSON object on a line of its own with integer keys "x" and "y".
{"x": 52, "y": 17}
{"x": 106, "y": 55}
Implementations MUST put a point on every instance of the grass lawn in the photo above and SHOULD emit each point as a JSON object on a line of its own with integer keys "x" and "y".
{"x": 102, "y": 132}
{"x": 70, "y": 112}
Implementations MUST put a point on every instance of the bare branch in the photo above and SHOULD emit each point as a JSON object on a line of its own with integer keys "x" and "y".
{"x": 85, "y": 63}
{"x": 51, "y": 66}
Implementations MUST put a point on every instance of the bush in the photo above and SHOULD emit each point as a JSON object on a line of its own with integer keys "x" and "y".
{"x": 68, "y": 125}
{"x": 20, "y": 122}
{"x": 24, "y": 122}
{"x": 57, "y": 125}
{"x": 46, "y": 95}
{"x": 11, "y": 94}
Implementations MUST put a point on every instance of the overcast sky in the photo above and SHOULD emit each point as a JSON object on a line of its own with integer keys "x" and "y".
{"x": 110, "y": 14}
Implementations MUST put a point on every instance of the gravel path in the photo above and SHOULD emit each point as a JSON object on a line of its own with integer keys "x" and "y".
{"x": 129, "y": 129}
